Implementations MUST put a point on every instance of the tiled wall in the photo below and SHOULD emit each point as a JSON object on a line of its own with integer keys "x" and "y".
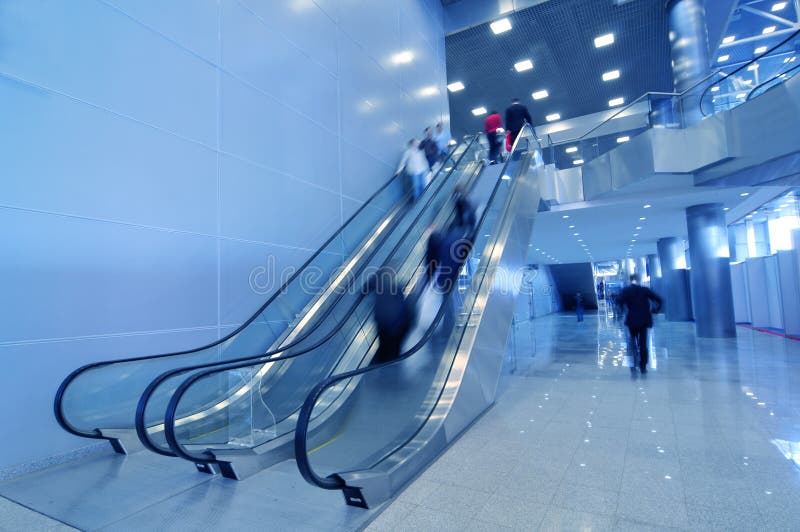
{"x": 154, "y": 152}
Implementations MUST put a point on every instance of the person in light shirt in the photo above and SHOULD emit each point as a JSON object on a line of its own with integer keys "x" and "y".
{"x": 415, "y": 166}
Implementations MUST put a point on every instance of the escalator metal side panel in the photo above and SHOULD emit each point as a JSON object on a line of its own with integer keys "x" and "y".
{"x": 472, "y": 384}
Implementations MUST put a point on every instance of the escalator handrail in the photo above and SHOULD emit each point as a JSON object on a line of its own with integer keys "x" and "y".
{"x": 218, "y": 367}
{"x": 58, "y": 401}
{"x": 301, "y": 431}
{"x": 744, "y": 66}
{"x": 770, "y": 80}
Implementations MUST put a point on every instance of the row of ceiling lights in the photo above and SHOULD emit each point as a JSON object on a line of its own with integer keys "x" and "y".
{"x": 637, "y": 229}
{"x": 503, "y": 25}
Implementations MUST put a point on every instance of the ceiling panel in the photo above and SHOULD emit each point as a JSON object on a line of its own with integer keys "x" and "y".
{"x": 558, "y": 36}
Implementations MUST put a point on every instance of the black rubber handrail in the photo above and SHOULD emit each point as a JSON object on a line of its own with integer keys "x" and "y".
{"x": 301, "y": 431}
{"x": 58, "y": 401}
{"x": 213, "y": 368}
{"x": 752, "y": 94}
{"x": 744, "y": 65}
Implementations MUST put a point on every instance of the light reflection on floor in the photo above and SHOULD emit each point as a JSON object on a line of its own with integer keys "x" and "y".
{"x": 709, "y": 440}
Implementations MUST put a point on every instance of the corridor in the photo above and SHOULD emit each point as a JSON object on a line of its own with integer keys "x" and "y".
{"x": 708, "y": 441}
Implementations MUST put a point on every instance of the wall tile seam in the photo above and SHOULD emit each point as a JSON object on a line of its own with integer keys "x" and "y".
{"x": 90, "y": 337}
{"x": 218, "y": 62}
{"x": 166, "y": 131}
{"x": 159, "y": 128}
{"x": 194, "y": 141}
{"x": 286, "y": 38}
{"x": 352, "y": 144}
{"x": 164, "y": 229}
{"x": 374, "y": 60}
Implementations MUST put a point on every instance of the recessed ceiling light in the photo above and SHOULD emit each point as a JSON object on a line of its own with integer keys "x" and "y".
{"x": 741, "y": 95}
{"x": 604, "y": 40}
{"x": 576, "y": 234}
{"x": 540, "y": 95}
{"x": 571, "y": 149}
{"x": 478, "y": 111}
{"x": 778, "y": 6}
{"x": 523, "y": 65}
{"x": 428, "y": 91}
{"x": 613, "y": 74}
{"x": 647, "y": 206}
{"x": 723, "y": 58}
{"x": 615, "y": 102}
{"x": 744, "y": 194}
{"x": 577, "y": 162}
{"x": 500, "y": 26}
{"x": 768, "y": 30}
{"x": 455, "y": 86}
{"x": 403, "y": 57}
{"x": 623, "y": 139}
{"x": 635, "y": 234}
{"x": 565, "y": 216}
{"x": 642, "y": 218}
{"x": 638, "y": 227}
{"x": 553, "y": 117}
{"x": 760, "y": 50}
{"x": 752, "y": 67}
{"x": 729, "y": 39}
{"x": 572, "y": 227}
{"x": 726, "y": 209}
{"x": 580, "y": 240}
{"x": 715, "y": 89}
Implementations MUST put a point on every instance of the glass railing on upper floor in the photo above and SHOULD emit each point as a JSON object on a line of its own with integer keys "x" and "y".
{"x": 745, "y": 81}
{"x": 721, "y": 90}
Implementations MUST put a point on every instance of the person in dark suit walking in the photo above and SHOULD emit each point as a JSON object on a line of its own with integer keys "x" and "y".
{"x": 640, "y": 317}
{"x": 516, "y": 116}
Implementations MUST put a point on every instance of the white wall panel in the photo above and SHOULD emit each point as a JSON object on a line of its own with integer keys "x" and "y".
{"x": 155, "y": 153}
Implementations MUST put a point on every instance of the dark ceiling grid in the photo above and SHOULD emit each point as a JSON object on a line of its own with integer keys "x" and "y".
{"x": 558, "y": 36}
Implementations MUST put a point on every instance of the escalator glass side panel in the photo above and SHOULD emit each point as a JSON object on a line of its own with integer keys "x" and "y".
{"x": 355, "y": 420}
{"x": 104, "y": 395}
{"x": 250, "y": 404}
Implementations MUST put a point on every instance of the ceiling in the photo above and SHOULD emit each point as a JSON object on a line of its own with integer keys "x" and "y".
{"x": 746, "y": 26}
{"x": 558, "y": 37}
{"x": 607, "y": 227}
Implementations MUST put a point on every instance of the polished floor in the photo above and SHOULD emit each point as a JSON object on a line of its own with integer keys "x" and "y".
{"x": 708, "y": 441}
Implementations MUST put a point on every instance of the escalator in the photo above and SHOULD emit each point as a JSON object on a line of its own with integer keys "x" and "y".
{"x": 371, "y": 430}
{"x": 100, "y": 400}
{"x": 241, "y": 416}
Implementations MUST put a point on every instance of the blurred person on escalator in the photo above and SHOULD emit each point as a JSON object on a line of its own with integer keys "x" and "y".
{"x": 448, "y": 250}
{"x": 493, "y": 127}
{"x": 429, "y": 146}
{"x": 415, "y": 166}
{"x": 394, "y": 314}
{"x": 516, "y": 117}
{"x": 442, "y": 138}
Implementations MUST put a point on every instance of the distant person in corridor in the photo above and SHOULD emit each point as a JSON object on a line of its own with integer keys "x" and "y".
{"x": 415, "y": 166}
{"x": 579, "y": 308}
{"x": 493, "y": 127}
{"x": 640, "y": 318}
{"x": 516, "y": 116}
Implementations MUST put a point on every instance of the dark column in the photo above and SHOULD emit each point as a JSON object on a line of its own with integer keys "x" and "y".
{"x": 674, "y": 280}
{"x": 654, "y": 270}
{"x": 712, "y": 295}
